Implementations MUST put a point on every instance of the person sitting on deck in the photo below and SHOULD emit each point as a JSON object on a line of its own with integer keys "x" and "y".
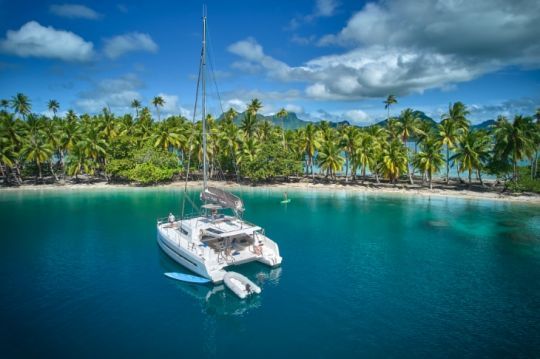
{"x": 248, "y": 288}
{"x": 171, "y": 218}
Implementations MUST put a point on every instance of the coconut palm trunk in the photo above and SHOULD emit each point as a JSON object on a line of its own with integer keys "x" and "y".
{"x": 346, "y": 167}
{"x": 447, "y": 164}
{"x": 39, "y": 172}
{"x": 52, "y": 171}
{"x": 4, "y": 174}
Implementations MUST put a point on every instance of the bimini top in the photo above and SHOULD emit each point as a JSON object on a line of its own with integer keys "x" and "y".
{"x": 223, "y": 198}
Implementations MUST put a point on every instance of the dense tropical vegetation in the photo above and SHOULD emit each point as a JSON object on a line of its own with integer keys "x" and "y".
{"x": 136, "y": 148}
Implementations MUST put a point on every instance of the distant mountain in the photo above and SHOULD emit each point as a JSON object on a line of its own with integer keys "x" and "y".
{"x": 484, "y": 125}
{"x": 418, "y": 114}
{"x": 290, "y": 122}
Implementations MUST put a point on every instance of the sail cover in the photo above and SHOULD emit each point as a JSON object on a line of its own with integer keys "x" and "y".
{"x": 222, "y": 198}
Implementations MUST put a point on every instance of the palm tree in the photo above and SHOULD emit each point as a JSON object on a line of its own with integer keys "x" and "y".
{"x": 249, "y": 123}
{"x": 158, "y": 102}
{"x": 7, "y": 157}
{"x": 513, "y": 140}
{"x": 52, "y": 136}
{"x": 329, "y": 158}
{"x": 166, "y": 137}
{"x": 394, "y": 160}
{"x": 53, "y": 106}
{"x": 394, "y": 129}
{"x": 78, "y": 162}
{"x": 472, "y": 152}
{"x": 230, "y": 115}
{"x": 309, "y": 142}
{"x": 264, "y": 131}
{"x": 457, "y": 113}
{"x": 430, "y": 159}
{"x": 254, "y": 106}
{"x": 282, "y": 114}
{"x": 230, "y": 139}
{"x": 38, "y": 151}
{"x": 390, "y": 100}
{"x": 94, "y": 146}
{"x": 136, "y": 104}
{"x": 366, "y": 147}
{"x": 448, "y": 136}
{"x": 249, "y": 150}
{"x": 349, "y": 140}
{"x": 21, "y": 104}
{"x": 4, "y": 104}
{"x": 408, "y": 126}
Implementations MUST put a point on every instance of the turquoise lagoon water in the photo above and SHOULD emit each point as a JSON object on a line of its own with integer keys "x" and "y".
{"x": 363, "y": 275}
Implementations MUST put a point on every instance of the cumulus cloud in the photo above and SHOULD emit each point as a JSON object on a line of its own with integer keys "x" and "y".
{"x": 294, "y": 108}
{"x": 404, "y": 47}
{"x": 525, "y": 106}
{"x": 116, "y": 93}
{"x": 135, "y": 41}
{"x": 74, "y": 11}
{"x": 237, "y": 104}
{"x": 357, "y": 115}
{"x": 172, "y": 106}
{"x": 34, "y": 40}
{"x": 323, "y": 8}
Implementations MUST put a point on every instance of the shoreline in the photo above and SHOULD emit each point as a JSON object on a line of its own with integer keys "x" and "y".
{"x": 295, "y": 187}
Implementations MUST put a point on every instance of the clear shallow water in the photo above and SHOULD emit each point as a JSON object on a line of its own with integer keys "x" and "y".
{"x": 366, "y": 275}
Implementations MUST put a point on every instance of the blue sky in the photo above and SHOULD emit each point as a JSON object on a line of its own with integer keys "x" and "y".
{"x": 324, "y": 59}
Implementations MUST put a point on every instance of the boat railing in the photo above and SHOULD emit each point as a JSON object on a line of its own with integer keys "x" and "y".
{"x": 179, "y": 218}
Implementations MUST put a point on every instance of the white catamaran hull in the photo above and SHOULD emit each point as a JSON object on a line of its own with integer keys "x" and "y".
{"x": 187, "y": 259}
{"x": 204, "y": 261}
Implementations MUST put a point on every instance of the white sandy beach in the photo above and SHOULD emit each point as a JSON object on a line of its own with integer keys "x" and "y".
{"x": 298, "y": 187}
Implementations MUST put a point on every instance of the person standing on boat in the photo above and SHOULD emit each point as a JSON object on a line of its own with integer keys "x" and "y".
{"x": 171, "y": 218}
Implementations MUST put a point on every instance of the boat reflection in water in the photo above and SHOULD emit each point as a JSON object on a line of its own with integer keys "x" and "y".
{"x": 219, "y": 300}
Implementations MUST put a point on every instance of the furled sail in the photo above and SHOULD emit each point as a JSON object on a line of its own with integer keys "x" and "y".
{"x": 222, "y": 198}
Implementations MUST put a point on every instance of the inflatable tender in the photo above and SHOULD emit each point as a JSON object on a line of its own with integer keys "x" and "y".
{"x": 240, "y": 285}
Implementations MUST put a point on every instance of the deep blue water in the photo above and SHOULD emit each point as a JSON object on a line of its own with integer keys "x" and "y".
{"x": 362, "y": 275}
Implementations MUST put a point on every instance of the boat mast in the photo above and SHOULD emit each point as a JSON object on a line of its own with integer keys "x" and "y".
{"x": 203, "y": 78}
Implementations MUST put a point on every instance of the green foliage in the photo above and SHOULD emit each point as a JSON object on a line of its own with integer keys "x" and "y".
{"x": 524, "y": 183}
{"x": 148, "y": 165}
{"x": 149, "y": 173}
{"x": 271, "y": 160}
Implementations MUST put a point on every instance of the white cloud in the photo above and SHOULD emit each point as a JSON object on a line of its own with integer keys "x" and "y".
{"x": 303, "y": 40}
{"x": 323, "y": 8}
{"x": 525, "y": 106}
{"x": 357, "y": 115}
{"x": 172, "y": 106}
{"x": 404, "y": 47}
{"x": 135, "y": 41}
{"x": 74, "y": 11}
{"x": 237, "y": 104}
{"x": 116, "y": 93}
{"x": 294, "y": 108}
{"x": 34, "y": 40}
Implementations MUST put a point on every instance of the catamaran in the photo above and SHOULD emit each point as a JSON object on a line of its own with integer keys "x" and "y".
{"x": 217, "y": 236}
